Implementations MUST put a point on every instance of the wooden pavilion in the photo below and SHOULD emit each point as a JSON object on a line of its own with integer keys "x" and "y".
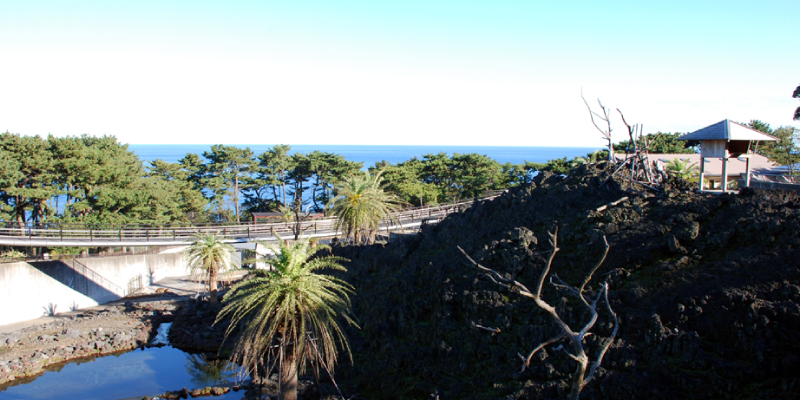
{"x": 724, "y": 140}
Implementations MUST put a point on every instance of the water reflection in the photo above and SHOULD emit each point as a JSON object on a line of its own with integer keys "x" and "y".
{"x": 129, "y": 375}
{"x": 207, "y": 370}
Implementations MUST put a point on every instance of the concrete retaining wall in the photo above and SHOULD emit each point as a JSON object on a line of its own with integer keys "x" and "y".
{"x": 96, "y": 290}
{"x": 152, "y": 267}
{"x": 36, "y": 285}
{"x": 111, "y": 278}
{"x": 27, "y": 293}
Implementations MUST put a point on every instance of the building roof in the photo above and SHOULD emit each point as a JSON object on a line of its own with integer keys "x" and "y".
{"x": 758, "y": 164}
{"x": 727, "y": 130}
{"x": 267, "y": 214}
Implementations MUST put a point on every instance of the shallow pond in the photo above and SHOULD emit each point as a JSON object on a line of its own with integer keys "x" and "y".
{"x": 131, "y": 375}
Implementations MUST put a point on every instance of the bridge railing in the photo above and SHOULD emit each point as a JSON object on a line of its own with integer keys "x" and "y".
{"x": 168, "y": 234}
{"x": 178, "y": 232}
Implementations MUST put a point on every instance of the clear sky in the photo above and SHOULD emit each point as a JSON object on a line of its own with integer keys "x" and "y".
{"x": 391, "y": 72}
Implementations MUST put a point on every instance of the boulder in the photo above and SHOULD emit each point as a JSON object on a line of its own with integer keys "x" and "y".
{"x": 9, "y": 338}
{"x": 72, "y": 333}
{"x": 121, "y": 338}
{"x": 218, "y": 391}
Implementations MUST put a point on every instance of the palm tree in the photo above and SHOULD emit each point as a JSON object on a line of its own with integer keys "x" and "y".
{"x": 360, "y": 204}
{"x": 681, "y": 168}
{"x": 208, "y": 371}
{"x": 289, "y": 314}
{"x": 590, "y": 158}
{"x": 207, "y": 257}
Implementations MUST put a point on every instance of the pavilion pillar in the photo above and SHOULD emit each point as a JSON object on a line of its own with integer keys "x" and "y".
{"x": 747, "y": 173}
{"x": 702, "y": 171}
{"x": 724, "y": 174}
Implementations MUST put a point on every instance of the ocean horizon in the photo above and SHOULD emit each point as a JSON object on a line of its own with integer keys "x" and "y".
{"x": 371, "y": 154}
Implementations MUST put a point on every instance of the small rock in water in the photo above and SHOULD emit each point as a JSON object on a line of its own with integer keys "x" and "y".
{"x": 218, "y": 391}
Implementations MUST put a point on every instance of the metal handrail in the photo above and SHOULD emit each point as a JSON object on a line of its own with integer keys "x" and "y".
{"x": 97, "y": 278}
{"x": 162, "y": 234}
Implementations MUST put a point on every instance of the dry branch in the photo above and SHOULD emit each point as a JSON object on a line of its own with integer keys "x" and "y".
{"x": 575, "y": 340}
{"x": 605, "y": 118}
{"x": 612, "y": 204}
{"x": 486, "y": 328}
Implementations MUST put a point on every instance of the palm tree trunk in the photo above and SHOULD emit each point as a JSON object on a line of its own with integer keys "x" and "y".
{"x": 212, "y": 287}
{"x": 288, "y": 379}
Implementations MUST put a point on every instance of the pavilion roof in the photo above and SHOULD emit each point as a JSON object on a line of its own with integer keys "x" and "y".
{"x": 727, "y": 130}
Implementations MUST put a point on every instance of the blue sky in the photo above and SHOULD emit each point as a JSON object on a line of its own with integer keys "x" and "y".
{"x": 386, "y": 72}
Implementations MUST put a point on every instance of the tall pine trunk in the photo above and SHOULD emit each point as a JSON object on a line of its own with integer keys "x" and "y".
{"x": 236, "y": 198}
{"x": 20, "y": 211}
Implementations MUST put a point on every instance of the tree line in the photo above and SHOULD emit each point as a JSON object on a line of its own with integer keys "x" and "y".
{"x": 784, "y": 151}
{"x": 97, "y": 180}
{"x": 85, "y": 179}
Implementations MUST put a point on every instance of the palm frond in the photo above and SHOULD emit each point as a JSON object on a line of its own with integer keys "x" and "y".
{"x": 280, "y": 306}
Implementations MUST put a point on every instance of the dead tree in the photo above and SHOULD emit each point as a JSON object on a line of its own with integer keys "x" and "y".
{"x": 641, "y": 164}
{"x": 576, "y": 350}
{"x": 605, "y": 118}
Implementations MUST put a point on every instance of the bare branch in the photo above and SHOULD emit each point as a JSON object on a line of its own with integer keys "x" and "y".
{"x": 592, "y": 114}
{"x": 554, "y": 243}
{"x": 486, "y": 328}
{"x": 630, "y": 130}
{"x": 605, "y": 118}
{"x": 613, "y": 203}
{"x": 526, "y": 361}
{"x": 576, "y": 339}
{"x": 608, "y": 342}
{"x": 496, "y": 277}
{"x": 599, "y": 263}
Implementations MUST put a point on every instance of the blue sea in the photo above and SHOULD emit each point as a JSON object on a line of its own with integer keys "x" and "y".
{"x": 369, "y": 155}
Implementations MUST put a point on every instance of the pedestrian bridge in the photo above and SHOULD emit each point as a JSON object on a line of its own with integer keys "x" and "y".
{"x": 98, "y": 235}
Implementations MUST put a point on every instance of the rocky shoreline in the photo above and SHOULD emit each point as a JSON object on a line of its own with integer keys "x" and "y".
{"x": 113, "y": 329}
{"x": 27, "y": 352}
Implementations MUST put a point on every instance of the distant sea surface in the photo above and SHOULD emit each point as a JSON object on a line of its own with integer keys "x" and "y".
{"x": 369, "y": 155}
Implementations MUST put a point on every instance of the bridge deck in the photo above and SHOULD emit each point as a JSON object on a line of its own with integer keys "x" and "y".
{"x": 129, "y": 236}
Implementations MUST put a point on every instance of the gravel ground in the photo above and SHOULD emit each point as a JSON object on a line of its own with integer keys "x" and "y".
{"x": 27, "y": 351}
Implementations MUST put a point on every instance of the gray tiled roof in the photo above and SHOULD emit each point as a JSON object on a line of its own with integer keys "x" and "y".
{"x": 727, "y": 130}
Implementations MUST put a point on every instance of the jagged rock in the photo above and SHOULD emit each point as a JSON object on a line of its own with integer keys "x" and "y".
{"x": 674, "y": 245}
{"x": 728, "y": 260}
